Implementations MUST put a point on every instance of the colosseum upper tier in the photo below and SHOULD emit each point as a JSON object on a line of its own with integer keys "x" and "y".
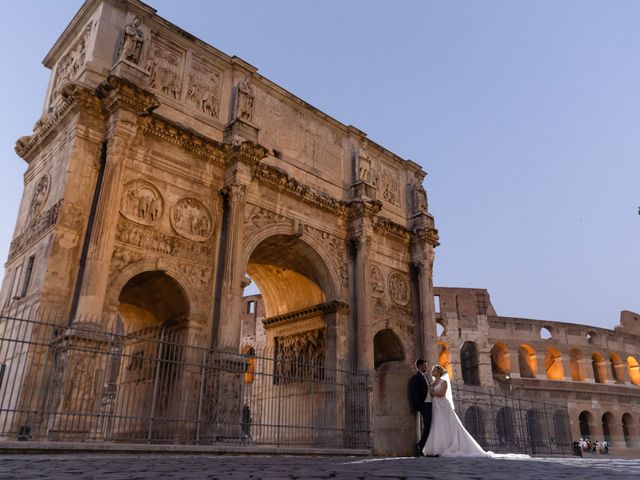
{"x": 595, "y": 370}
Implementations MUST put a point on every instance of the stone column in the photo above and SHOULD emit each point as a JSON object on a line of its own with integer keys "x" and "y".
{"x": 123, "y": 103}
{"x": 564, "y": 360}
{"x": 227, "y": 322}
{"x": 424, "y": 241}
{"x": 228, "y": 334}
{"x": 363, "y": 341}
{"x": 541, "y": 371}
{"x": 586, "y": 369}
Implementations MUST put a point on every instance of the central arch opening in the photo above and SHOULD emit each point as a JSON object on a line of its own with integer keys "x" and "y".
{"x": 289, "y": 274}
{"x": 284, "y": 324}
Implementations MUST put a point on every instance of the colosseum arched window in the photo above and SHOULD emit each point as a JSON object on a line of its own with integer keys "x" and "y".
{"x": 587, "y": 422}
{"x": 575, "y": 365}
{"x": 561, "y": 426}
{"x": 545, "y": 333}
{"x": 469, "y": 363}
{"x": 553, "y": 364}
{"x": 628, "y": 429}
{"x": 634, "y": 370}
{"x": 599, "y": 368}
{"x": 500, "y": 359}
{"x": 505, "y": 428}
{"x": 444, "y": 357}
{"x": 527, "y": 361}
{"x": 474, "y": 423}
{"x": 617, "y": 368}
{"x": 608, "y": 423}
{"x": 441, "y": 329}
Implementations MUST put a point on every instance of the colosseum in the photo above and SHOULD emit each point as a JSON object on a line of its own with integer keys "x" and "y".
{"x": 594, "y": 370}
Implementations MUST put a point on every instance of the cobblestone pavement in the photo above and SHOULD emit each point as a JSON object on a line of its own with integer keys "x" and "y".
{"x": 134, "y": 466}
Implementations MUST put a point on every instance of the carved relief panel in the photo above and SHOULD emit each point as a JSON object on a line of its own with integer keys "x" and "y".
{"x": 165, "y": 67}
{"x": 398, "y": 288}
{"x": 377, "y": 281}
{"x": 204, "y": 87}
{"x": 390, "y": 185}
{"x": 39, "y": 196}
{"x": 300, "y": 357}
{"x": 71, "y": 63}
{"x": 142, "y": 203}
{"x": 191, "y": 219}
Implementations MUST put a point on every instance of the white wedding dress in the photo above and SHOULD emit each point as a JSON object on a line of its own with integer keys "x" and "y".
{"x": 448, "y": 437}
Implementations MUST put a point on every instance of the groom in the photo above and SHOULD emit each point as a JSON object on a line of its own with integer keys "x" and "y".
{"x": 421, "y": 400}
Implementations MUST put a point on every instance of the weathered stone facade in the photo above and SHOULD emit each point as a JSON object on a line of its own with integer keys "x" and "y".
{"x": 595, "y": 370}
{"x": 163, "y": 171}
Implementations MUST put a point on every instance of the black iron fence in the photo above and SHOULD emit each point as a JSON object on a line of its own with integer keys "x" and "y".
{"x": 162, "y": 384}
{"x": 507, "y": 422}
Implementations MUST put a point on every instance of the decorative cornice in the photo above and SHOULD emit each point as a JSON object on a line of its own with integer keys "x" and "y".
{"x": 280, "y": 181}
{"x": 427, "y": 233}
{"x": 244, "y": 151}
{"x": 320, "y": 309}
{"x": 73, "y": 95}
{"x": 364, "y": 208}
{"x": 182, "y": 137}
{"x": 388, "y": 228}
{"x": 116, "y": 92}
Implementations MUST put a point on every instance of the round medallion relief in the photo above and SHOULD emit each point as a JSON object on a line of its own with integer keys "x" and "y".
{"x": 377, "y": 281}
{"x": 398, "y": 288}
{"x": 40, "y": 194}
{"x": 191, "y": 219}
{"x": 142, "y": 203}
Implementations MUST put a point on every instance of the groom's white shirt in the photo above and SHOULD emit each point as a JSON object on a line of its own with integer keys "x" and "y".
{"x": 429, "y": 382}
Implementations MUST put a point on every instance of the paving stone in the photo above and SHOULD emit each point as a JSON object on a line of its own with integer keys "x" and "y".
{"x": 148, "y": 467}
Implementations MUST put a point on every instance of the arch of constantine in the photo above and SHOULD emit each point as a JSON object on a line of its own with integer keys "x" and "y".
{"x": 163, "y": 177}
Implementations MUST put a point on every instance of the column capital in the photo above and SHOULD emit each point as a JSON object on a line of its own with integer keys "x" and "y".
{"x": 234, "y": 192}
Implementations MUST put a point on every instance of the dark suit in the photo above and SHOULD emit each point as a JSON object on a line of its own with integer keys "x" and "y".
{"x": 418, "y": 389}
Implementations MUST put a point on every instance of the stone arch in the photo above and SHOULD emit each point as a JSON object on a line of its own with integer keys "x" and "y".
{"x": 441, "y": 328}
{"x": 575, "y": 365}
{"x": 535, "y": 429}
{"x": 617, "y": 368}
{"x": 586, "y": 422}
{"x": 628, "y": 429}
{"x": 553, "y": 364}
{"x": 152, "y": 299}
{"x": 387, "y": 347}
{"x": 505, "y": 428}
{"x": 474, "y": 423}
{"x": 561, "y": 426}
{"x": 634, "y": 370}
{"x": 140, "y": 267}
{"x": 500, "y": 359}
{"x": 290, "y": 271}
{"x": 608, "y": 423}
{"x": 444, "y": 357}
{"x": 527, "y": 361}
{"x": 599, "y": 369}
{"x": 320, "y": 256}
{"x": 154, "y": 308}
{"x": 469, "y": 363}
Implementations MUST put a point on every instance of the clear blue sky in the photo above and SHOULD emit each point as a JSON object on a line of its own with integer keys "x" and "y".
{"x": 525, "y": 114}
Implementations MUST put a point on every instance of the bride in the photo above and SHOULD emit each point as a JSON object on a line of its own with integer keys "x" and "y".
{"x": 448, "y": 437}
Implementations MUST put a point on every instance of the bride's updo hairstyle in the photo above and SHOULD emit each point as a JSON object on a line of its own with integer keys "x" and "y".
{"x": 439, "y": 369}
